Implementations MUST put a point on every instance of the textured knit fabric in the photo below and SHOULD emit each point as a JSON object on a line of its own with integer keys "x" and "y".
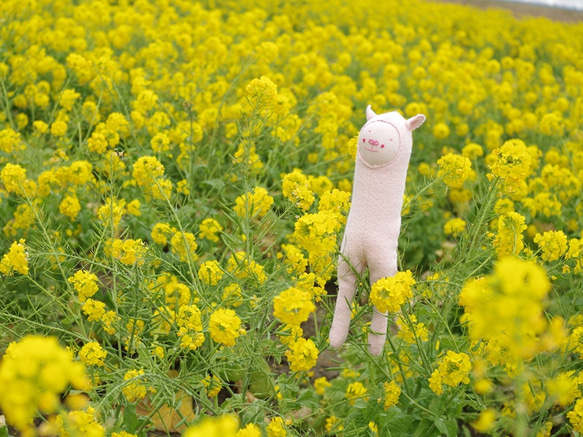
{"x": 374, "y": 222}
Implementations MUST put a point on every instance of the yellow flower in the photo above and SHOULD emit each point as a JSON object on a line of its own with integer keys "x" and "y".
{"x": 79, "y": 422}
{"x": 85, "y": 283}
{"x": 70, "y": 207}
{"x": 392, "y": 394}
{"x": 161, "y": 232}
{"x": 553, "y": 244}
{"x": 575, "y": 416}
{"x": 455, "y": 170}
{"x": 135, "y": 388}
{"x": 16, "y": 260}
{"x": 511, "y": 163}
{"x": 93, "y": 309}
{"x": 33, "y": 374}
{"x": 184, "y": 245}
{"x": 321, "y": 384}
{"x": 250, "y": 430}
{"x": 92, "y": 354}
{"x": 472, "y": 151}
{"x": 388, "y": 294}
{"x": 485, "y": 421}
{"x": 241, "y": 267}
{"x": 293, "y": 306}
{"x": 276, "y": 428}
{"x": 224, "y": 326}
{"x": 209, "y": 228}
{"x": 441, "y": 131}
{"x": 505, "y": 309}
{"x": 253, "y": 204}
{"x": 190, "y": 327}
{"x": 12, "y": 177}
{"x": 129, "y": 251}
{"x": 355, "y": 391}
{"x": 452, "y": 370}
{"x": 509, "y": 239}
{"x": 454, "y": 227}
{"x": 10, "y": 141}
{"x": 68, "y": 98}
{"x": 297, "y": 189}
{"x": 210, "y": 272}
{"x": 111, "y": 213}
{"x": 302, "y": 355}
{"x": 221, "y": 426}
{"x": 317, "y": 233}
{"x": 213, "y": 385}
{"x": 59, "y": 128}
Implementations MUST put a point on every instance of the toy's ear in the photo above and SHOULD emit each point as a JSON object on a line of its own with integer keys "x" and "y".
{"x": 414, "y": 122}
{"x": 369, "y": 113}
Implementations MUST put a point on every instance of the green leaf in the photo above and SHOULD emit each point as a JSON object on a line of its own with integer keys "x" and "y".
{"x": 3, "y": 431}
{"x": 360, "y": 404}
{"x": 130, "y": 419}
{"x": 446, "y": 427}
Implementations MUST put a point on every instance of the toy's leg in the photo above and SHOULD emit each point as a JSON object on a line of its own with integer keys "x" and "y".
{"x": 347, "y": 277}
{"x": 383, "y": 267}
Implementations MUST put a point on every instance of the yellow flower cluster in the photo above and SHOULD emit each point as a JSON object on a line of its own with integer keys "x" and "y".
{"x": 85, "y": 284}
{"x": 190, "y": 327}
{"x": 92, "y": 354}
{"x": 293, "y": 306}
{"x": 296, "y": 188}
{"x": 505, "y": 310}
{"x": 455, "y": 170}
{"x": 453, "y": 369}
{"x": 16, "y": 260}
{"x": 253, "y": 204}
{"x": 225, "y": 326}
{"x": 34, "y": 373}
{"x": 389, "y": 294}
{"x": 392, "y": 394}
{"x": 135, "y": 387}
{"x": 302, "y": 354}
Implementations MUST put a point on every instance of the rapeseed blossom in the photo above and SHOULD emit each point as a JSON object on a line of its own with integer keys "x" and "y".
{"x": 455, "y": 170}
{"x": 189, "y": 322}
{"x": 253, "y": 204}
{"x": 15, "y": 260}
{"x": 392, "y": 392}
{"x": 210, "y": 272}
{"x": 136, "y": 385}
{"x": 302, "y": 354}
{"x": 505, "y": 309}
{"x": 453, "y": 369}
{"x": 297, "y": 189}
{"x": 509, "y": 239}
{"x": 355, "y": 391}
{"x": 209, "y": 229}
{"x": 553, "y": 244}
{"x": 85, "y": 284}
{"x": 389, "y": 294}
{"x": 224, "y": 326}
{"x": 92, "y": 354}
{"x": 293, "y": 306}
{"x": 33, "y": 374}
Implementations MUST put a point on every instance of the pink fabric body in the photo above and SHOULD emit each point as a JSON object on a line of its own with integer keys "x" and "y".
{"x": 372, "y": 229}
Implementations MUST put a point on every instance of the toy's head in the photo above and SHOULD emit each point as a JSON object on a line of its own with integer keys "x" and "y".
{"x": 383, "y": 135}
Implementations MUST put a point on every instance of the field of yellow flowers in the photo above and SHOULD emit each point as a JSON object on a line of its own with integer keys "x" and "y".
{"x": 175, "y": 179}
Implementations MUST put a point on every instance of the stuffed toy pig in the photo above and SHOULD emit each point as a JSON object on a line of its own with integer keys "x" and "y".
{"x": 373, "y": 225}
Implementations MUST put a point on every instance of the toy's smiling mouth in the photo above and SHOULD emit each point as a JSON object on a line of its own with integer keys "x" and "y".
{"x": 374, "y": 145}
